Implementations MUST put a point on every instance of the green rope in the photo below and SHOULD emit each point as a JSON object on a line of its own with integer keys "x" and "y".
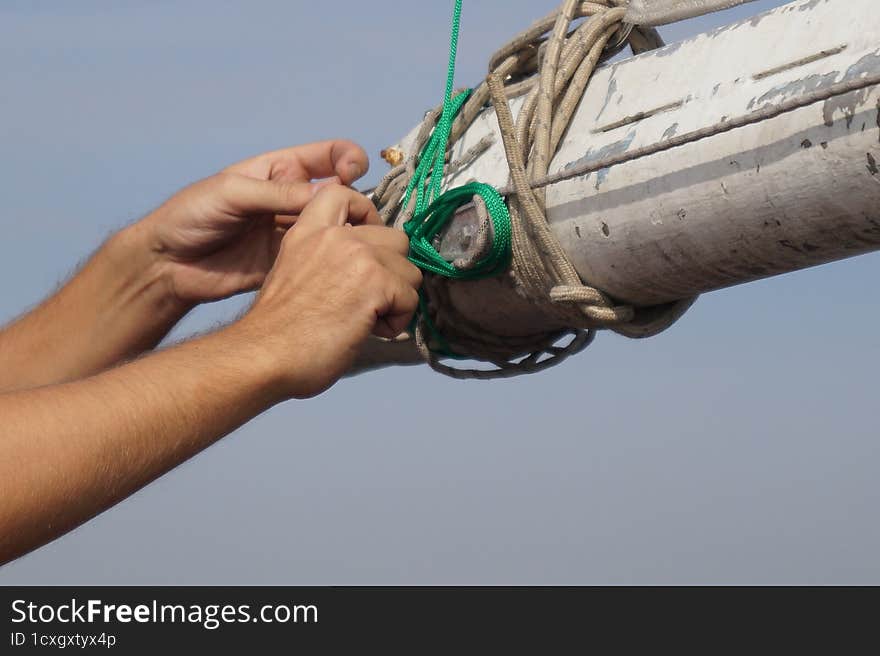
{"x": 434, "y": 210}
{"x": 423, "y": 228}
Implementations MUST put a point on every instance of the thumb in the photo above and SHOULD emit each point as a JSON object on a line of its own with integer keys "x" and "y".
{"x": 245, "y": 195}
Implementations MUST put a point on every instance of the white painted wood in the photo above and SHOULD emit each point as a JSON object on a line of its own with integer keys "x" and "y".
{"x": 792, "y": 192}
{"x": 782, "y": 195}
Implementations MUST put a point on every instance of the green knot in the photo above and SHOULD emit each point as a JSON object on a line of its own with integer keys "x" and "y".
{"x": 423, "y": 228}
{"x": 433, "y": 210}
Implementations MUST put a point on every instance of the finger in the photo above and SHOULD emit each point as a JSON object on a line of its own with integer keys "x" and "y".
{"x": 402, "y": 303}
{"x": 243, "y": 195}
{"x": 372, "y": 219}
{"x": 287, "y": 220}
{"x": 336, "y": 205}
{"x": 399, "y": 266}
{"x": 339, "y": 157}
{"x": 394, "y": 240}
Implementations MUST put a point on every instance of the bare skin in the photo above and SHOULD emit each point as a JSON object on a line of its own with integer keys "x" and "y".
{"x": 214, "y": 239}
{"x": 80, "y": 431}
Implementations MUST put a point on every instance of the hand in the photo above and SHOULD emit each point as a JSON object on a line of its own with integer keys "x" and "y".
{"x": 220, "y": 236}
{"x": 333, "y": 284}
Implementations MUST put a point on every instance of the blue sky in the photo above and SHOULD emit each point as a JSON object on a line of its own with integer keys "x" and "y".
{"x": 740, "y": 447}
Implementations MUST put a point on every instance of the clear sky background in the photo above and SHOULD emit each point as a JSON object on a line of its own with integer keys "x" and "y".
{"x": 739, "y": 447}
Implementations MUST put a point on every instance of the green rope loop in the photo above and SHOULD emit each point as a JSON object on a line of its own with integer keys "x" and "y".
{"x": 434, "y": 210}
{"x": 423, "y": 228}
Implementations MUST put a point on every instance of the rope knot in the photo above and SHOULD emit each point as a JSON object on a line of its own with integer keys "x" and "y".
{"x": 554, "y": 61}
{"x": 594, "y": 305}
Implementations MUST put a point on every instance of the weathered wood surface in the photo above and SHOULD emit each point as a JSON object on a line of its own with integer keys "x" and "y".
{"x": 792, "y": 192}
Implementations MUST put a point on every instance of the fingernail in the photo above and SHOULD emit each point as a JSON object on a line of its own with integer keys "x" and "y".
{"x": 320, "y": 184}
{"x": 357, "y": 170}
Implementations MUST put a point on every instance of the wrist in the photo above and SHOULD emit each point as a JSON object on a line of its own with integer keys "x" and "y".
{"x": 257, "y": 358}
{"x": 115, "y": 308}
{"x": 142, "y": 270}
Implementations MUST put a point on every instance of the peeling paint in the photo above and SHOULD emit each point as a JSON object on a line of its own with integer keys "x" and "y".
{"x": 795, "y": 88}
{"x": 665, "y": 51}
{"x": 847, "y": 104}
{"x": 671, "y": 131}
{"x": 612, "y": 87}
{"x": 616, "y": 148}
{"x": 718, "y": 171}
{"x": 878, "y": 119}
{"x": 809, "y": 5}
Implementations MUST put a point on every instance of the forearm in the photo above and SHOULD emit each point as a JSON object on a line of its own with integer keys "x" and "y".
{"x": 116, "y": 307}
{"x": 69, "y": 451}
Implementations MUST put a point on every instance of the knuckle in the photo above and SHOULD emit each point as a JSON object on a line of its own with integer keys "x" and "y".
{"x": 359, "y": 256}
{"x": 332, "y": 237}
{"x": 412, "y": 300}
{"x": 401, "y": 241}
{"x": 287, "y": 190}
{"x": 332, "y": 192}
{"x": 348, "y": 246}
{"x": 369, "y": 266}
{"x": 224, "y": 182}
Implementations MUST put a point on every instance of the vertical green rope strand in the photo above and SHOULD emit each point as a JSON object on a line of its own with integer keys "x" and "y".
{"x": 434, "y": 210}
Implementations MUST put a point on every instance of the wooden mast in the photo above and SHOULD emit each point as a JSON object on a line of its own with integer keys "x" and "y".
{"x": 788, "y": 193}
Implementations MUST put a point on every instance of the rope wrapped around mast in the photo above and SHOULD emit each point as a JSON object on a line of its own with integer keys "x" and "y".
{"x": 557, "y": 57}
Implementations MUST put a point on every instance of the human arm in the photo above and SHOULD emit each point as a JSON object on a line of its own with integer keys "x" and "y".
{"x": 117, "y": 306}
{"x": 71, "y": 450}
{"x": 214, "y": 239}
